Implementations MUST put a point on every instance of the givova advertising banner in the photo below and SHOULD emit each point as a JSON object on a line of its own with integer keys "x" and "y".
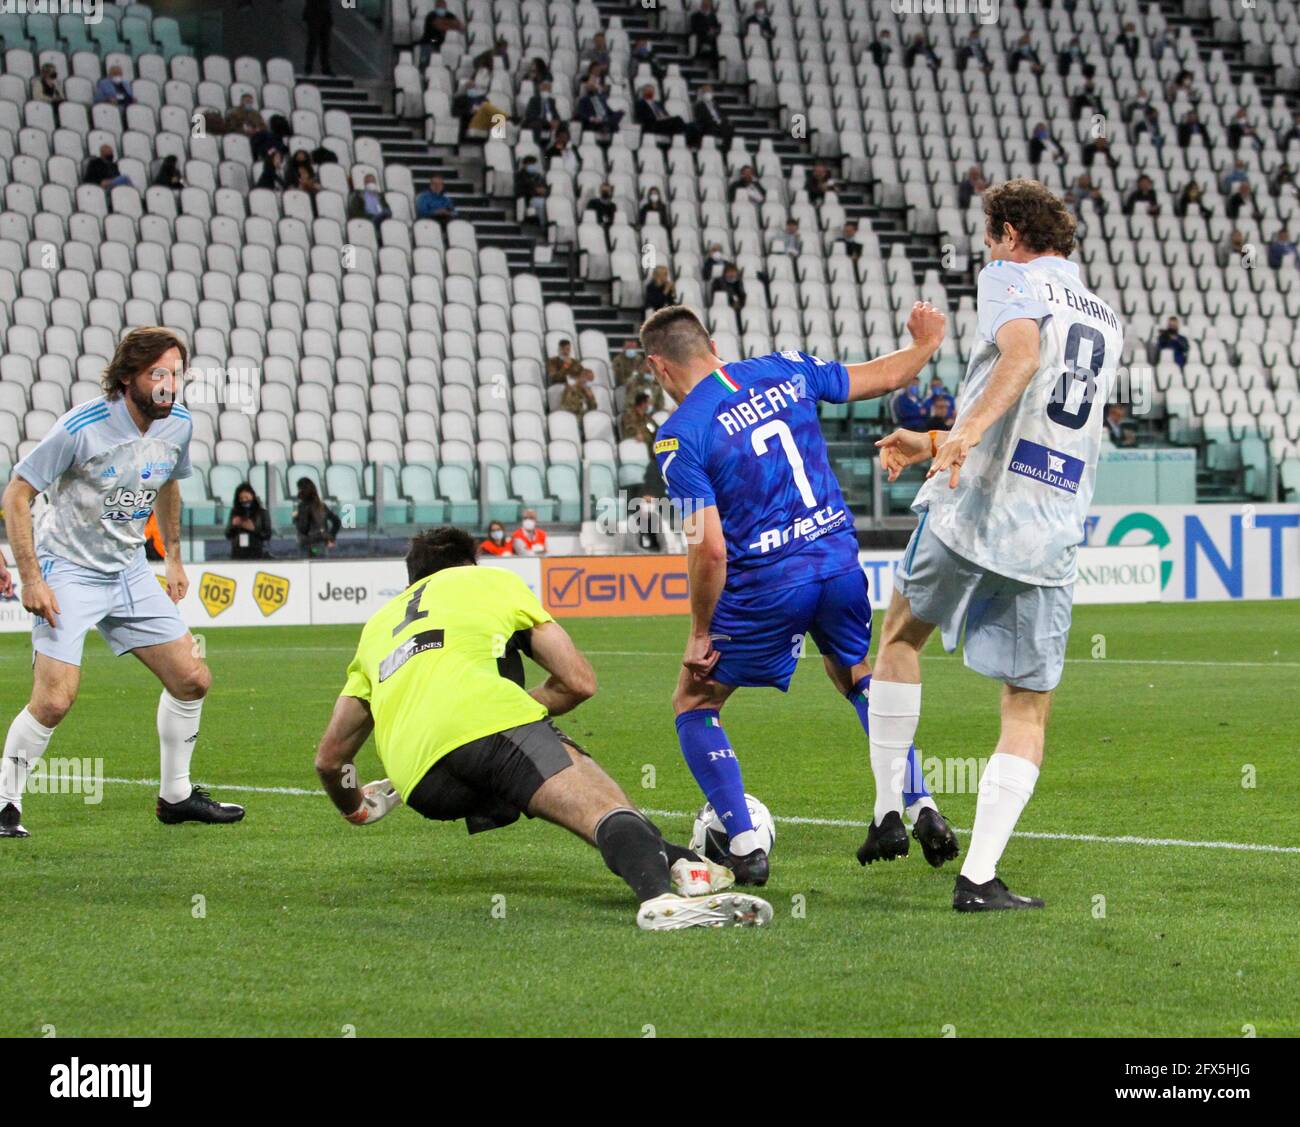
{"x": 1210, "y": 552}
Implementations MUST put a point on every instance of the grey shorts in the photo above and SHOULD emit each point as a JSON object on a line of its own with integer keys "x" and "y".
{"x": 1014, "y": 632}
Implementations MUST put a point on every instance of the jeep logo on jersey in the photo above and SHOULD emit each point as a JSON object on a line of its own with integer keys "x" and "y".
{"x": 216, "y": 593}
{"x": 129, "y": 504}
{"x": 270, "y": 592}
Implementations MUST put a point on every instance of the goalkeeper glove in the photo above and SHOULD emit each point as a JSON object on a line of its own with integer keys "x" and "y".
{"x": 377, "y": 799}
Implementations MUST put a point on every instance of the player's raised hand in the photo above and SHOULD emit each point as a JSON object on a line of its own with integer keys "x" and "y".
{"x": 927, "y": 325}
{"x": 40, "y": 600}
{"x": 700, "y": 657}
{"x": 901, "y": 449}
{"x": 951, "y": 455}
{"x": 178, "y": 583}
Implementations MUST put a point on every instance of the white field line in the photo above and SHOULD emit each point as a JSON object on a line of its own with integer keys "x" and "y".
{"x": 1096, "y": 839}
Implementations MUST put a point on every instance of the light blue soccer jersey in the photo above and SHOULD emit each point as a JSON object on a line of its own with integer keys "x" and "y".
{"x": 101, "y": 477}
{"x": 748, "y": 439}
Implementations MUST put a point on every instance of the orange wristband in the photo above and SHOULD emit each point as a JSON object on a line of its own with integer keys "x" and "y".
{"x": 934, "y": 443}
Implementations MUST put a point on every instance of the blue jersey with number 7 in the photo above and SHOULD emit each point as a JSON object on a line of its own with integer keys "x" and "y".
{"x": 748, "y": 439}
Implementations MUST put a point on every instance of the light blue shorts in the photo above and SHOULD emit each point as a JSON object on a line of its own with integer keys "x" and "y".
{"x": 130, "y": 609}
{"x": 1014, "y": 632}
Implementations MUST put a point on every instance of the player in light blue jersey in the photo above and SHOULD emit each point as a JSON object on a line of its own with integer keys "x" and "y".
{"x": 772, "y": 553}
{"x": 992, "y": 561}
{"x": 104, "y": 467}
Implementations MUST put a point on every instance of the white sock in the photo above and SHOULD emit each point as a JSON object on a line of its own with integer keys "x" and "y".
{"x": 1005, "y": 787}
{"x": 24, "y": 745}
{"x": 178, "y": 731}
{"x": 893, "y": 712}
{"x": 743, "y": 843}
{"x": 925, "y": 802}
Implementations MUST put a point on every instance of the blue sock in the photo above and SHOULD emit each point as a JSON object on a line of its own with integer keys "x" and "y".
{"x": 708, "y": 754}
{"x": 915, "y": 777}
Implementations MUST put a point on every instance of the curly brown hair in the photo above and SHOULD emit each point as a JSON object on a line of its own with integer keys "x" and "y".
{"x": 1040, "y": 217}
{"x": 137, "y": 351}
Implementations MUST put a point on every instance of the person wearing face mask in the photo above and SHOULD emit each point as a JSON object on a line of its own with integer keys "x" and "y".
{"x": 530, "y": 186}
{"x": 714, "y": 261}
{"x": 316, "y": 524}
{"x": 594, "y": 110}
{"x": 496, "y": 543}
{"x": 709, "y": 118}
{"x": 654, "y": 204}
{"x": 628, "y": 363}
{"x": 368, "y": 203}
{"x": 528, "y": 539}
{"x": 604, "y": 206}
{"x": 249, "y": 527}
{"x": 909, "y": 408}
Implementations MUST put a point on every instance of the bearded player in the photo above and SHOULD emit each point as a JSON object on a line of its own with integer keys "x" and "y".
{"x": 772, "y": 553}
{"x": 1001, "y": 517}
{"x": 104, "y": 467}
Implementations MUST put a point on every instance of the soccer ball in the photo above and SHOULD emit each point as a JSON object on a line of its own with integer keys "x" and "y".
{"x": 710, "y": 838}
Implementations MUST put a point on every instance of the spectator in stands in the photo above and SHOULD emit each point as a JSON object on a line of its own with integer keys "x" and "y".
{"x": 642, "y": 52}
{"x": 760, "y": 19}
{"x": 1235, "y": 175}
{"x": 714, "y": 261}
{"x": 249, "y": 526}
{"x": 1073, "y": 53}
{"x": 496, "y": 543}
{"x": 1234, "y": 247}
{"x": 819, "y": 180}
{"x": 790, "y": 241}
{"x": 301, "y": 173}
{"x": 475, "y": 111}
{"x": 921, "y": 48}
{"x": 1191, "y": 126}
{"x": 1024, "y": 52}
{"x": 47, "y": 87}
{"x": 315, "y": 522}
{"x": 1128, "y": 40}
{"x": 368, "y": 203}
{"x": 939, "y": 397}
{"x": 637, "y": 421}
{"x": 654, "y": 205}
{"x": 1169, "y": 337}
{"x": 560, "y": 154}
{"x": 881, "y": 48}
{"x": 731, "y": 285}
{"x": 974, "y": 48}
{"x": 594, "y": 111}
{"x": 1150, "y": 124}
{"x": 1281, "y": 248}
{"x": 1286, "y": 136}
{"x": 1084, "y": 191}
{"x": 434, "y": 203}
{"x": 530, "y": 186}
{"x": 709, "y": 119}
{"x": 629, "y": 362}
{"x": 1241, "y": 200}
{"x": 1144, "y": 193}
{"x": 541, "y": 114}
{"x": 1116, "y": 431}
{"x": 1240, "y": 129}
{"x": 848, "y": 240}
{"x": 244, "y": 117}
{"x": 1087, "y": 99}
{"x": 1099, "y": 147}
{"x": 660, "y": 290}
{"x": 649, "y": 113}
{"x": 103, "y": 170}
{"x": 1040, "y": 140}
{"x": 970, "y": 186}
{"x": 538, "y": 72}
{"x": 595, "y": 53}
{"x": 706, "y": 27}
{"x": 280, "y": 132}
{"x": 528, "y": 539}
{"x": 169, "y": 174}
{"x": 909, "y": 408}
{"x": 499, "y": 52}
{"x": 604, "y": 206}
{"x": 272, "y": 175}
{"x": 746, "y": 187}
{"x": 318, "y": 16}
{"x": 1181, "y": 86}
{"x": 1138, "y": 107}
{"x": 437, "y": 23}
{"x": 578, "y": 396}
{"x": 1282, "y": 182}
{"x": 564, "y": 366}
{"x": 114, "y": 89}
{"x": 941, "y": 416}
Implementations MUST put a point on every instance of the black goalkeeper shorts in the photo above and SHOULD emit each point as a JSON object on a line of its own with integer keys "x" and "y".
{"x": 490, "y": 781}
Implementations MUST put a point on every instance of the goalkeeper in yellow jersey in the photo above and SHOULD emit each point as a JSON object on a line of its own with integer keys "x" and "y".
{"x": 460, "y": 740}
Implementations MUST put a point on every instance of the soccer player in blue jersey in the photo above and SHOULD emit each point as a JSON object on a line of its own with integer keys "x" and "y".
{"x": 771, "y": 550}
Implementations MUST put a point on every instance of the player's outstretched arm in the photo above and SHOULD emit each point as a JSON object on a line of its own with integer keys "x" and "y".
{"x": 898, "y": 369}
{"x": 706, "y": 568}
{"x": 571, "y": 680}
{"x": 1018, "y": 343}
{"x": 37, "y": 596}
{"x": 349, "y": 728}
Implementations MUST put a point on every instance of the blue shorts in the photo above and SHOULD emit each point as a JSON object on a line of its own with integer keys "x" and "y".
{"x": 760, "y": 633}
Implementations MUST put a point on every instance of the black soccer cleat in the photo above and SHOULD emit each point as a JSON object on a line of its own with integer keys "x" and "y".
{"x": 991, "y": 896}
{"x": 749, "y": 869}
{"x": 885, "y": 841}
{"x": 11, "y": 822}
{"x": 199, "y": 807}
{"x": 938, "y": 842}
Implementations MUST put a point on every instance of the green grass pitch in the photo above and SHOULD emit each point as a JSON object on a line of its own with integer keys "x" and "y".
{"x": 308, "y": 926}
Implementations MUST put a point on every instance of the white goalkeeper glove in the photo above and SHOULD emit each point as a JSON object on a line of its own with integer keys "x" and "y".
{"x": 377, "y": 799}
